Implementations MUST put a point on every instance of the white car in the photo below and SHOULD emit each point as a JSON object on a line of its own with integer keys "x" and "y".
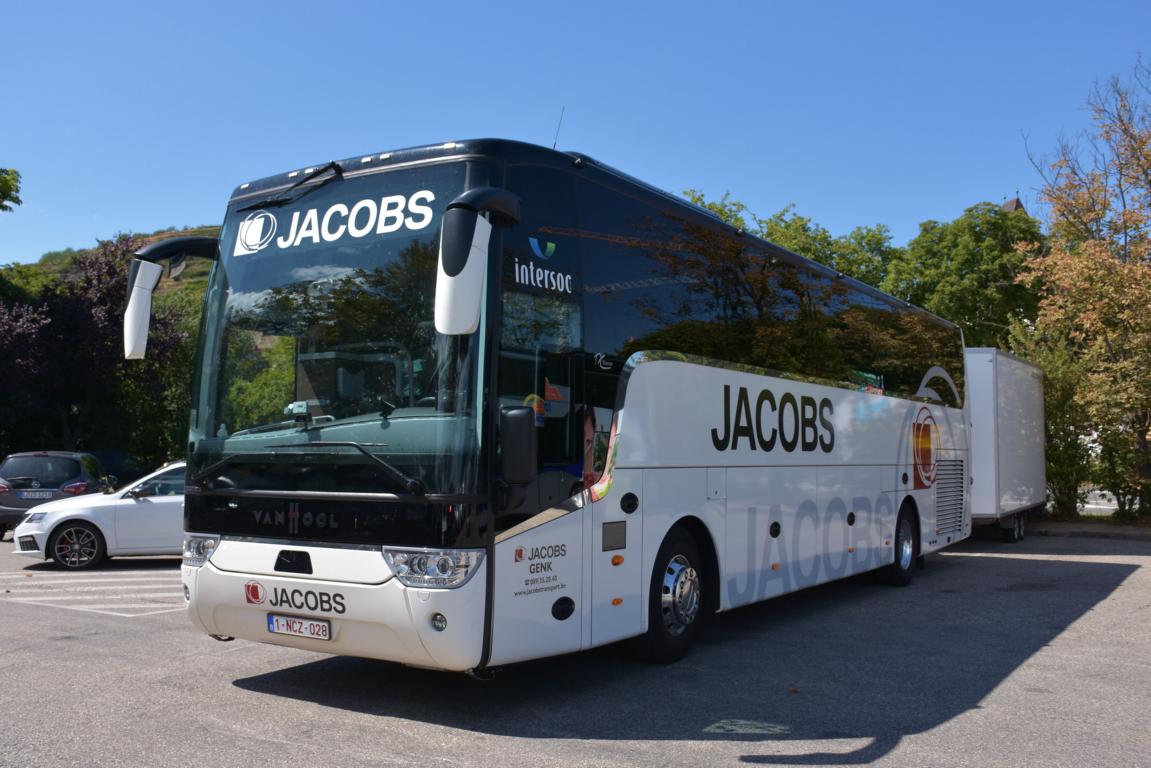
{"x": 146, "y": 518}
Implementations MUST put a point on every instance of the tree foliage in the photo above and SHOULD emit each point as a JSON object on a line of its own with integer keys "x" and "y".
{"x": 67, "y": 385}
{"x": 9, "y": 189}
{"x": 965, "y": 270}
{"x": 1094, "y": 282}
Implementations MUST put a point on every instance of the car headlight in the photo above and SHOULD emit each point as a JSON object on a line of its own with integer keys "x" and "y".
{"x": 198, "y": 548}
{"x": 436, "y": 568}
{"x": 35, "y": 517}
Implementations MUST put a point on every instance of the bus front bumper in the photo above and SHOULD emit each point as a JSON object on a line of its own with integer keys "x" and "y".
{"x": 385, "y": 621}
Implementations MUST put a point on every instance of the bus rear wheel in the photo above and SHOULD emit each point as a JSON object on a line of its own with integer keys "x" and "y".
{"x": 902, "y": 568}
{"x": 675, "y": 600}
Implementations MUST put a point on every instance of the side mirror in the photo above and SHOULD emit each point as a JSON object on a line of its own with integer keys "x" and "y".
{"x": 142, "y": 281}
{"x": 143, "y": 278}
{"x": 518, "y": 445}
{"x": 465, "y": 238}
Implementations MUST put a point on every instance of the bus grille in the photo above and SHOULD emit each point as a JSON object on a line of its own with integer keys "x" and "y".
{"x": 949, "y": 497}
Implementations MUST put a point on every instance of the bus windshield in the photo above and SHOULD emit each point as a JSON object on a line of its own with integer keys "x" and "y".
{"x": 320, "y": 365}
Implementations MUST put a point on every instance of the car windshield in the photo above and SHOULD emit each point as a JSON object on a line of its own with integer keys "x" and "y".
{"x": 319, "y": 350}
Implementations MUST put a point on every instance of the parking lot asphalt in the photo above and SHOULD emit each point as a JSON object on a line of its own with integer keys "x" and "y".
{"x": 1036, "y": 653}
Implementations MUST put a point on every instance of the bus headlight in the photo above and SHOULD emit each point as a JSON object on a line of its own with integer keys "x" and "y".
{"x": 198, "y": 548}
{"x": 437, "y": 568}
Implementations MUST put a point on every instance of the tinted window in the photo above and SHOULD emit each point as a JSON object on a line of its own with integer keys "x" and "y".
{"x": 170, "y": 483}
{"x": 47, "y": 470}
{"x": 542, "y": 324}
{"x": 655, "y": 280}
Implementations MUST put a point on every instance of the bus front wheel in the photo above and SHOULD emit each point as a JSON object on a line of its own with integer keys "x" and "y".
{"x": 675, "y": 600}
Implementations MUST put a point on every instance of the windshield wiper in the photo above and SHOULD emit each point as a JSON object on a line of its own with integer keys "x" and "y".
{"x": 276, "y": 201}
{"x": 227, "y": 461}
{"x": 411, "y": 484}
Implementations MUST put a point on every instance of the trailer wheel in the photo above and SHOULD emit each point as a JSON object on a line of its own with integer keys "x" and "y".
{"x": 675, "y": 600}
{"x": 1016, "y": 531}
{"x": 902, "y": 568}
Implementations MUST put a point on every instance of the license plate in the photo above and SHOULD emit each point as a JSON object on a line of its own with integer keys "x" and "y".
{"x": 34, "y": 494}
{"x": 316, "y": 629}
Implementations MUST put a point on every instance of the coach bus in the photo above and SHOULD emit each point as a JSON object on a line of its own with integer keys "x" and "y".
{"x": 476, "y": 403}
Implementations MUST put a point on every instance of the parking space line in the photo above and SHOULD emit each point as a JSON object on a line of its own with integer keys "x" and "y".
{"x": 55, "y": 578}
{"x": 125, "y": 594}
{"x": 108, "y": 585}
{"x": 100, "y": 609}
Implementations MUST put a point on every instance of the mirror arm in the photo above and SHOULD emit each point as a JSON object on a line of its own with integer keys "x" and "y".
{"x": 502, "y": 207}
{"x": 161, "y": 250}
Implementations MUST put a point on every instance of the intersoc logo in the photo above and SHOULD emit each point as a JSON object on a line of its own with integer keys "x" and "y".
{"x": 541, "y": 277}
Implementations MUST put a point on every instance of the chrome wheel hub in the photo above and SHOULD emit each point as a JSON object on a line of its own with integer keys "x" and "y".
{"x": 680, "y": 597}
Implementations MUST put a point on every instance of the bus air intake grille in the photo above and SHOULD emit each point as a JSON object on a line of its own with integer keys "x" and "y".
{"x": 949, "y": 491}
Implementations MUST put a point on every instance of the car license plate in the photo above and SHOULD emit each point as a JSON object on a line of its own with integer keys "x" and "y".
{"x": 34, "y": 494}
{"x": 316, "y": 629}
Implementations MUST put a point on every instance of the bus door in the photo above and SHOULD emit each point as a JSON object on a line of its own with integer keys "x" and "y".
{"x": 538, "y": 596}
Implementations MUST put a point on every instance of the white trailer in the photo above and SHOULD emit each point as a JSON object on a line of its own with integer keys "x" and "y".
{"x": 1008, "y": 471}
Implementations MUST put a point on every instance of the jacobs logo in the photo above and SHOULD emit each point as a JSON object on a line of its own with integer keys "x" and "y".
{"x": 786, "y": 421}
{"x": 541, "y": 553}
{"x": 365, "y": 217}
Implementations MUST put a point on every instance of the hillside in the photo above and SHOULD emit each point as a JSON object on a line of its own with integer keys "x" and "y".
{"x": 25, "y": 282}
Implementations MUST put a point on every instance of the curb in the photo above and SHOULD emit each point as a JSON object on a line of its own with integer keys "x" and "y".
{"x": 1091, "y": 533}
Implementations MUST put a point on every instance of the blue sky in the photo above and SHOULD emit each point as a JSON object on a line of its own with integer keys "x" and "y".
{"x": 138, "y": 116}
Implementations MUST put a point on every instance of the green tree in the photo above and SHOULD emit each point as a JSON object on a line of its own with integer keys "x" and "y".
{"x": 965, "y": 270}
{"x": 866, "y": 253}
{"x": 67, "y": 385}
{"x": 9, "y": 189}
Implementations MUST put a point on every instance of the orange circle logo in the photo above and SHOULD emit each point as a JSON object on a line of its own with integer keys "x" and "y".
{"x": 924, "y": 448}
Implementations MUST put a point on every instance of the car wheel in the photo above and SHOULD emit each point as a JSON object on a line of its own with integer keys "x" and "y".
{"x": 76, "y": 545}
{"x": 675, "y": 600}
{"x": 902, "y": 568}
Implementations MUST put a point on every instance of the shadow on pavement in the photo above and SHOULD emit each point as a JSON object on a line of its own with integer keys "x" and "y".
{"x": 848, "y": 660}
